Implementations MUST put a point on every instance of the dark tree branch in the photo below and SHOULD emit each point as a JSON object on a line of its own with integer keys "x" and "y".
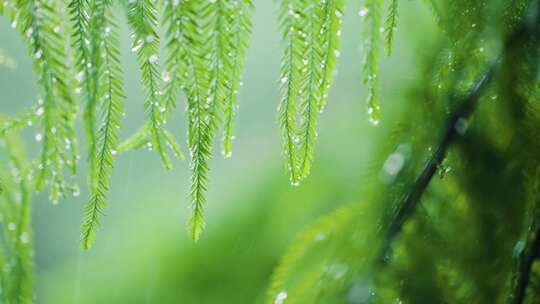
{"x": 525, "y": 260}
{"x": 407, "y": 205}
{"x": 466, "y": 106}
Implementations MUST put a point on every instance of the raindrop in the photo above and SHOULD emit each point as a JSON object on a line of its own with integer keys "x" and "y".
{"x": 518, "y": 248}
{"x": 11, "y": 226}
{"x": 24, "y": 237}
{"x": 166, "y": 76}
{"x": 461, "y": 125}
{"x": 374, "y": 121}
{"x": 79, "y": 76}
{"x": 281, "y": 297}
{"x": 136, "y": 48}
{"x": 38, "y": 54}
{"x": 394, "y": 163}
{"x": 363, "y": 12}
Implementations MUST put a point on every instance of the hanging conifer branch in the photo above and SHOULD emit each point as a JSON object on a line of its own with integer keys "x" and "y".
{"x": 197, "y": 85}
{"x": 372, "y": 12}
{"x": 173, "y": 55}
{"x": 39, "y": 22}
{"x": 21, "y": 120}
{"x": 310, "y": 30}
{"x": 330, "y": 34}
{"x": 390, "y": 26}
{"x": 111, "y": 109}
{"x": 172, "y": 20}
{"x": 234, "y": 37}
{"x": 291, "y": 18}
{"x": 86, "y": 53}
{"x": 68, "y": 107}
{"x": 142, "y": 18}
{"x": 311, "y": 80}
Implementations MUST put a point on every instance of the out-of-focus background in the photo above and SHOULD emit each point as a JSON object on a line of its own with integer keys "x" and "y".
{"x": 143, "y": 253}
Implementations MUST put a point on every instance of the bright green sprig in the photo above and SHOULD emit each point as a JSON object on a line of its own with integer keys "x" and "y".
{"x": 142, "y": 18}
{"x": 21, "y": 120}
{"x": 373, "y": 11}
{"x": 291, "y": 21}
{"x": 86, "y": 25}
{"x": 172, "y": 21}
{"x": 323, "y": 28}
{"x": 136, "y": 141}
{"x": 233, "y": 28}
{"x": 174, "y": 66}
{"x": 205, "y": 53}
{"x": 310, "y": 31}
{"x": 390, "y": 25}
{"x": 111, "y": 108}
{"x": 330, "y": 34}
{"x": 198, "y": 30}
{"x": 39, "y": 22}
{"x": 174, "y": 52}
{"x": 311, "y": 80}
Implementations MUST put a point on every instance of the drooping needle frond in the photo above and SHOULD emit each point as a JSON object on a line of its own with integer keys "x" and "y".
{"x": 197, "y": 82}
{"x": 291, "y": 22}
{"x": 142, "y": 18}
{"x": 87, "y": 26}
{"x": 173, "y": 23}
{"x": 390, "y": 25}
{"x": 310, "y": 30}
{"x": 233, "y": 35}
{"x": 330, "y": 34}
{"x": 111, "y": 97}
{"x": 40, "y": 22}
{"x": 372, "y": 14}
{"x": 321, "y": 55}
{"x": 24, "y": 118}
